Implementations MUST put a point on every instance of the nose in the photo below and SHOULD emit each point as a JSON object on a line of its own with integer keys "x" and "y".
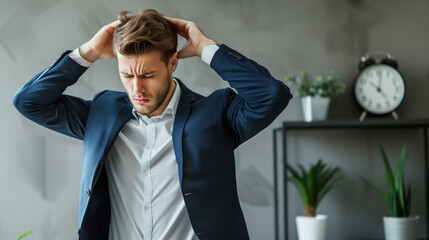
{"x": 138, "y": 87}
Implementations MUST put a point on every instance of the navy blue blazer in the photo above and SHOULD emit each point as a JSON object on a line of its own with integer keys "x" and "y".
{"x": 205, "y": 133}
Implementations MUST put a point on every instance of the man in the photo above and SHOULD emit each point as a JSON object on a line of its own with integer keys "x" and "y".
{"x": 158, "y": 160}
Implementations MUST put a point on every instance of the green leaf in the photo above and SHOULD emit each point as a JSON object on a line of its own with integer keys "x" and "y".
{"x": 325, "y": 191}
{"x": 389, "y": 175}
{"x": 408, "y": 202}
{"x": 299, "y": 182}
{"x": 25, "y": 234}
{"x": 400, "y": 177}
{"x": 376, "y": 190}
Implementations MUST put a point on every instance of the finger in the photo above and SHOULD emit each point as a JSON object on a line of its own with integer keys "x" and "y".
{"x": 114, "y": 24}
{"x": 178, "y": 23}
{"x": 181, "y": 31}
{"x": 183, "y": 34}
{"x": 182, "y": 52}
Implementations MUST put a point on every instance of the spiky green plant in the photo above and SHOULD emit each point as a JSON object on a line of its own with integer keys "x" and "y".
{"x": 313, "y": 184}
{"x": 397, "y": 199}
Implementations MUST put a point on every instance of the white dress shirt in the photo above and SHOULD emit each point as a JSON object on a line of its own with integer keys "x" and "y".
{"x": 145, "y": 195}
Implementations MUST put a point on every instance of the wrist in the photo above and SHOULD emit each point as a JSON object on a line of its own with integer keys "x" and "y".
{"x": 204, "y": 44}
{"x": 88, "y": 53}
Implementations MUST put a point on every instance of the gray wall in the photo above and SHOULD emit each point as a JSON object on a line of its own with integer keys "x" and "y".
{"x": 40, "y": 170}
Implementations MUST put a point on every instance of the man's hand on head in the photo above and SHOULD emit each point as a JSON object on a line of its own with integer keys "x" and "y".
{"x": 100, "y": 45}
{"x": 196, "y": 40}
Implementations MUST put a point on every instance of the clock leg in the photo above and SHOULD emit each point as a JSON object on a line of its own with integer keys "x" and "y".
{"x": 395, "y": 115}
{"x": 362, "y": 116}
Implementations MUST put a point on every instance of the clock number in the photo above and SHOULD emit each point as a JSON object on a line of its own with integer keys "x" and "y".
{"x": 363, "y": 98}
{"x": 379, "y": 73}
{"x": 378, "y": 106}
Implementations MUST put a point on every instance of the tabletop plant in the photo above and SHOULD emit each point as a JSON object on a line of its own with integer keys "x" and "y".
{"x": 397, "y": 198}
{"x": 314, "y": 183}
{"x": 327, "y": 85}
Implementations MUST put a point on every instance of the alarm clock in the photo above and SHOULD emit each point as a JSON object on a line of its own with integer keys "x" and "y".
{"x": 379, "y": 87}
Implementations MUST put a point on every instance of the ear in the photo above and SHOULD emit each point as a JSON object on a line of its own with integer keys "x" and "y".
{"x": 172, "y": 63}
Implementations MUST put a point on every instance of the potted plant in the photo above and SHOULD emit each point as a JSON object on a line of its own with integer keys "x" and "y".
{"x": 313, "y": 184}
{"x": 316, "y": 93}
{"x": 399, "y": 225}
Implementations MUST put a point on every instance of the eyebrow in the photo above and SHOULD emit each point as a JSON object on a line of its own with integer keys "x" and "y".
{"x": 144, "y": 74}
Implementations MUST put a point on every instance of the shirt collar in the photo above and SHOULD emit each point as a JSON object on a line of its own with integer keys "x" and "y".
{"x": 172, "y": 105}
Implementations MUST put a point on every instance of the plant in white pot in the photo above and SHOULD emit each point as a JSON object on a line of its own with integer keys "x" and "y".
{"x": 399, "y": 225}
{"x": 313, "y": 184}
{"x": 316, "y": 93}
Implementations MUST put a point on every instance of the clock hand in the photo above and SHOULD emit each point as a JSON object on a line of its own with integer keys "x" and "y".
{"x": 378, "y": 89}
{"x": 373, "y": 84}
{"x": 383, "y": 94}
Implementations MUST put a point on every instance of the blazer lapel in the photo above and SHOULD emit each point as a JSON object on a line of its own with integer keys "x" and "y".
{"x": 123, "y": 114}
{"x": 182, "y": 114}
{"x": 179, "y": 124}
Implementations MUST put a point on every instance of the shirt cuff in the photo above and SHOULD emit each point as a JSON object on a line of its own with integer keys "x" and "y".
{"x": 75, "y": 55}
{"x": 208, "y": 53}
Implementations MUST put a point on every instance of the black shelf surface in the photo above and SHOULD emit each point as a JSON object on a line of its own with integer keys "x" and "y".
{"x": 371, "y": 123}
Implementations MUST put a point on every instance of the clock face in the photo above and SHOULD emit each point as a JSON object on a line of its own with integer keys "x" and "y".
{"x": 379, "y": 89}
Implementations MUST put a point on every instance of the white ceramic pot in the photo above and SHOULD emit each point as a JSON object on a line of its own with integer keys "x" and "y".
{"x": 311, "y": 228}
{"x": 315, "y": 108}
{"x": 396, "y": 228}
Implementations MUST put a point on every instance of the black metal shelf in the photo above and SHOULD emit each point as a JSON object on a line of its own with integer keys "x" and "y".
{"x": 341, "y": 124}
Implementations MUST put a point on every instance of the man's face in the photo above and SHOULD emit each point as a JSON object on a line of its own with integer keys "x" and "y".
{"x": 148, "y": 81}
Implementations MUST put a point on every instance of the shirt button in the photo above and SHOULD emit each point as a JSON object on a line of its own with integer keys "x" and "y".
{"x": 147, "y": 147}
{"x": 146, "y": 207}
{"x": 153, "y": 120}
{"x": 88, "y": 192}
{"x": 145, "y": 173}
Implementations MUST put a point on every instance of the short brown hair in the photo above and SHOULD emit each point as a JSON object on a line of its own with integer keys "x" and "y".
{"x": 143, "y": 33}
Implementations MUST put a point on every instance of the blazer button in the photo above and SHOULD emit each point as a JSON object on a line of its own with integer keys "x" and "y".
{"x": 230, "y": 53}
{"x": 88, "y": 192}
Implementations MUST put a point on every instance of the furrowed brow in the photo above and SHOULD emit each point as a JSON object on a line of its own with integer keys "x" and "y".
{"x": 140, "y": 75}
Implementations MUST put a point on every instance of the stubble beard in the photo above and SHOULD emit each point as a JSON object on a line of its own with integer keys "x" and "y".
{"x": 158, "y": 98}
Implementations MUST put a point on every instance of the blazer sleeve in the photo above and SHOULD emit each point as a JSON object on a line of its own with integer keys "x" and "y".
{"x": 42, "y": 100}
{"x": 260, "y": 99}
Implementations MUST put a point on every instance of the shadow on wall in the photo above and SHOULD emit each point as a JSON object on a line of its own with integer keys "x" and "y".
{"x": 350, "y": 34}
{"x": 255, "y": 190}
{"x": 44, "y": 173}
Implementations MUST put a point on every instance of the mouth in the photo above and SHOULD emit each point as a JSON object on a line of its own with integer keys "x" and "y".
{"x": 141, "y": 100}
